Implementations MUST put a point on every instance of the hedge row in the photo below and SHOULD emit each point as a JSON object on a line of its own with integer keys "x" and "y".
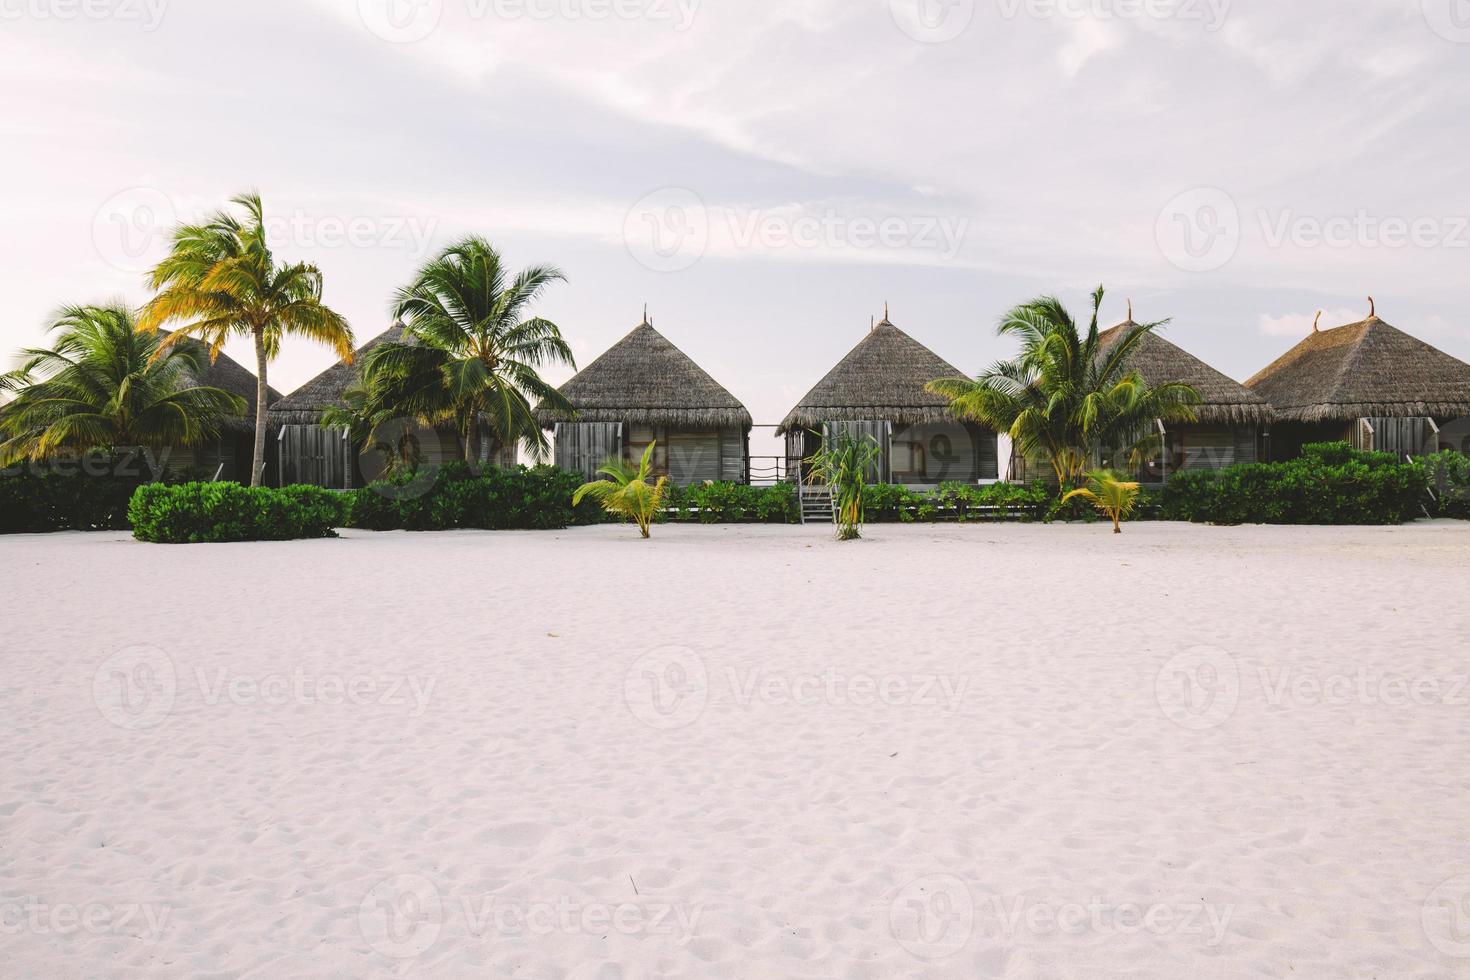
{"x": 1330, "y": 483}
{"x": 958, "y": 502}
{"x": 452, "y": 496}
{"x": 82, "y": 495}
{"x": 213, "y": 512}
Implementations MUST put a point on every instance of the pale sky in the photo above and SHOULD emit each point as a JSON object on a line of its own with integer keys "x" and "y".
{"x": 765, "y": 176}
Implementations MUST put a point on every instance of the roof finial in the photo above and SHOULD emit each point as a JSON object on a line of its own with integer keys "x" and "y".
{"x": 872, "y": 324}
{"x": 1372, "y": 308}
{"x": 885, "y": 311}
{"x": 645, "y": 312}
{"x": 1315, "y": 328}
{"x": 1130, "y": 311}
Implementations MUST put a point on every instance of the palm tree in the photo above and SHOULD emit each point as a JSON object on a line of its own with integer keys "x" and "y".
{"x": 104, "y": 385}
{"x": 359, "y": 413}
{"x": 626, "y": 491}
{"x": 222, "y": 278}
{"x": 1109, "y": 493}
{"x": 843, "y": 464}
{"x": 471, "y": 352}
{"x": 1067, "y": 396}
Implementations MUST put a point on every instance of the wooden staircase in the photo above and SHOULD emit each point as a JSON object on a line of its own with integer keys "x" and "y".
{"x": 816, "y": 503}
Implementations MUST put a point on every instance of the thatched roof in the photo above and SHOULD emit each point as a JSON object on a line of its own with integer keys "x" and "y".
{"x": 1364, "y": 370}
{"x": 883, "y": 377}
{"x": 230, "y": 375}
{"x": 305, "y": 405}
{"x": 645, "y": 380}
{"x": 1223, "y": 400}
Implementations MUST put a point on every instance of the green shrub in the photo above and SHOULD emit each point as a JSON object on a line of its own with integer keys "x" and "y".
{"x": 732, "y": 503}
{"x": 1330, "y": 483}
{"x": 1448, "y": 473}
{"x": 453, "y": 496}
{"x": 956, "y": 502}
{"x": 218, "y": 512}
{"x": 90, "y": 494}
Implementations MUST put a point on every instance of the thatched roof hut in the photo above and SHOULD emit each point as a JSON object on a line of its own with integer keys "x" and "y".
{"x": 305, "y": 405}
{"x": 230, "y": 375}
{"x": 1223, "y": 400}
{"x": 883, "y": 377}
{"x": 1367, "y": 369}
{"x": 645, "y": 380}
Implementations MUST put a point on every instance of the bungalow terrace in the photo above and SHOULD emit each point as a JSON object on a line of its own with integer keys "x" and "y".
{"x": 877, "y": 390}
{"x": 643, "y": 389}
{"x": 1369, "y": 384}
{"x": 307, "y": 452}
{"x": 1232, "y": 423}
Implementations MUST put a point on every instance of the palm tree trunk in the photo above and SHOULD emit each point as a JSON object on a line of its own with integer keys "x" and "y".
{"x": 472, "y": 441}
{"x": 257, "y": 465}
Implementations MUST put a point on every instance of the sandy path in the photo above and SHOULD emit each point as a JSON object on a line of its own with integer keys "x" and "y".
{"x": 944, "y": 752}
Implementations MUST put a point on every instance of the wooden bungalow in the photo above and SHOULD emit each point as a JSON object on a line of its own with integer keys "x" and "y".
{"x": 306, "y": 452}
{"x": 1232, "y": 423}
{"x": 644, "y": 389}
{"x": 878, "y": 390}
{"x": 229, "y": 455}
{"x": 1369, "y": 384}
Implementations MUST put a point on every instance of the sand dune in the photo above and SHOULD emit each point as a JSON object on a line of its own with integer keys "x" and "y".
{"x": 942, "y": 752}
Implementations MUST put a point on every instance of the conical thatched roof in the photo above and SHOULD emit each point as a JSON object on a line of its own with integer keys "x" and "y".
{"x": 305, "y": 405}
{"x": 229, "y": 375}
{"x": 645, "y": 380}
{"x": 883, "y": 377}
{"x": 1364, "y": 370}
{"x": 1223, "y": 400}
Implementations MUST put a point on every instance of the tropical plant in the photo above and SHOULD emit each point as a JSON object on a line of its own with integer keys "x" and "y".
{"x": 626, "y": 492}
{"x": 105, "y": 386}
{"x": 222, "y": 278}
{"x": 843, "y": 464}
{"x": 1068, "y": 397}
{"x": 369, "y": 429}
{"x": 1109, "y": 493}
{"x": 472, "y": 353}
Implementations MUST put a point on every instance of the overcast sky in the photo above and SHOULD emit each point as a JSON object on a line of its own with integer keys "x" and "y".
{"x": 765, "y": 176}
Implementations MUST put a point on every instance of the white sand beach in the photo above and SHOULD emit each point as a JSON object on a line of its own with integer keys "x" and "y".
{"x": 1011, "y": 751}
